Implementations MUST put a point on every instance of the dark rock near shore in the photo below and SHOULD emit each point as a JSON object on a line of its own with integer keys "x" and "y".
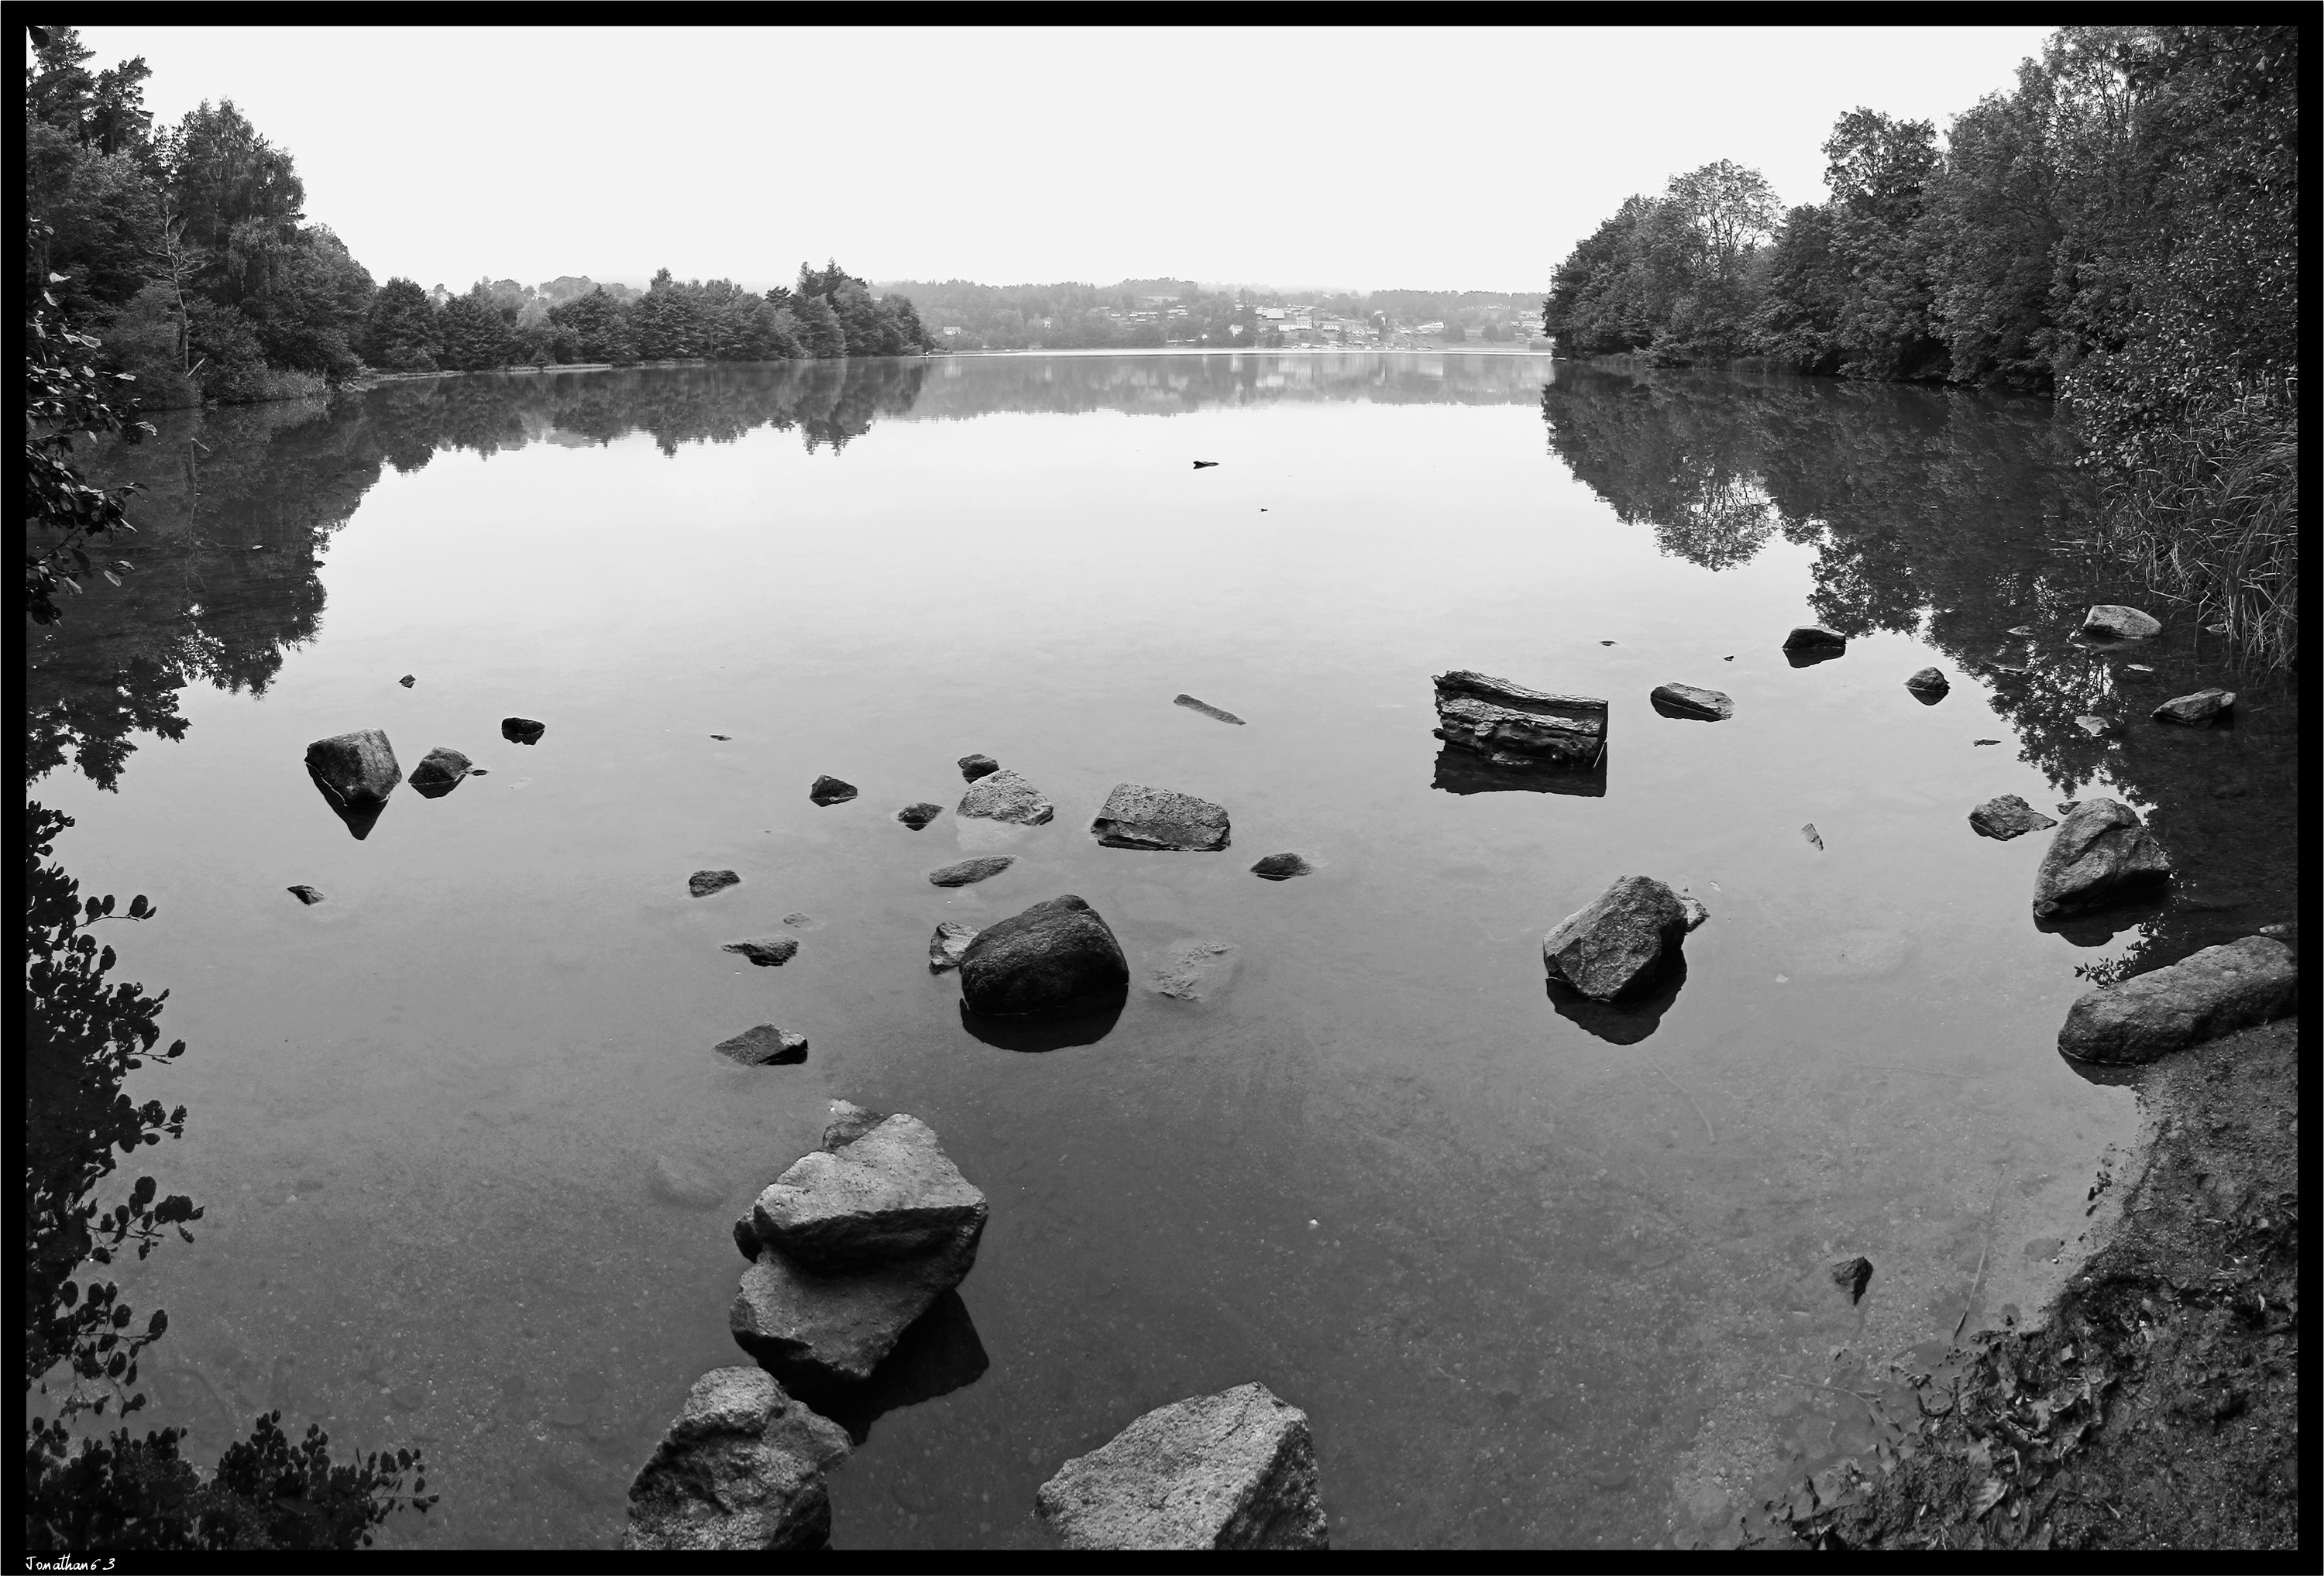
{"x": 947, "y": 945}
{"x": 1929, "y": 686}
{"x": 918, "y": 816}
{"x": 1137, "y": 816}
{"x": 1686, "y": 701}
{"x": 1511, "y": 725}
{"x": 2198, "y": 710}
{"x": 769, "y": 952}
{"x": 2008, "y": 816}
{"x": 1208, "y": 710}
{"x": 967, "y": 872}
{"x": 1052, "y": 958}
{"x": 1852, "y": 1276}
{"x": 765, "y": 1046}
{"x": 2111, "y": 621}
{"x": 741, "y": 1468}
{"x": 2216, "y": 991}
{"x": 305, "y": 894}
{"x": 2102, "y": 854}
{"x": 1235, "y": 1470}
{"x": 973, "y": 766}
{"x": 830, "y": 790}
{"x": 357, "y": 769}
{"x": 439, "y": 771}
{"x": 1282, "y": 867}
{"x": 703, "y": 882}
{"x": 1620, "y": 942}
{"x": 522, "y": 730}
{"x": 1004, "y": 796}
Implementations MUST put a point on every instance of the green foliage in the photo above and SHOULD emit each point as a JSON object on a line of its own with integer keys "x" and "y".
{"x": 399, "y": 331}
{"x": 474, "y": 332}
{"x": 66, "y": 398}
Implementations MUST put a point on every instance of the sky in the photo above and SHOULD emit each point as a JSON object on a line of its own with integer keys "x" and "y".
{"x": 1350, "y": 157}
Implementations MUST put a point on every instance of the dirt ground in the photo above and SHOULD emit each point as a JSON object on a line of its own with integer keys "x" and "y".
{"x": 2157, "y": 1405}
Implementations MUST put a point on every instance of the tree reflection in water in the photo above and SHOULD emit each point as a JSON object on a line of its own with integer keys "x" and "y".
{"x": 1953, "y": 516}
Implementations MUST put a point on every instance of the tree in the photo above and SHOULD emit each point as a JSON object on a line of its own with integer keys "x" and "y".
{"x": 820, "y": 330}
{"x": 601, "y": 328}
{"x": 474, "y": 332}
{"x": 400, "y": 330}
{"x": 1732, "y": 209}
{"x": 66, "y": 398}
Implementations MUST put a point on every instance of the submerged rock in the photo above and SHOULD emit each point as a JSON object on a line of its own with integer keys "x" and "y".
{"x": 703, "y": 882}
{"x": 1208, "y": 710}
{"x": 1051, "y": 958}
{"x": 1684, "y": 700}
{"x": 769, "y": 952}
{"x": 1137, "y": 816}
{"x": 973, "y": 766}
{"x": 357, "y": 769}
{"x": 918, "y": 816}
{"x": 854, "y": 1242}
{"x": 967, "y": 872}
{"x": 439, "y": 771}
{"x": 1929, "y": 686}
{"x": 1003, "y": 796}
{"x": 946, "y": 945}
{"x": 305, "y": 894}
{"x": 2111, "y": 621}
{"x": 2196, "y": 710}
{"x": 1282, "y": 867}
{"x": 741, "y": 1468}
{"x": 2216, "y": 991}
{"x": 1620, "y": 942}
{"x": 765, "y": 1046}
{"x": 1852, "y": 1276}
{"x": 522, "y": 730}
{"x": 830, "y": 790}
{"x": 2103, "y": 853}
{"x": 2006, "y": 816}
{"x": 1235, "y": 1470}
{"x": 689, "y": 1186}
{"x": 1195, "y": 970}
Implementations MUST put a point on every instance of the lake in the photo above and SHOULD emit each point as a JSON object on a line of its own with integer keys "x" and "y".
{"x": 1538, "y": 1275}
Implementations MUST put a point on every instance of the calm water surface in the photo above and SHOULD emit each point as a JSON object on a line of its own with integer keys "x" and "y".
{"x": 470, "y": 1162}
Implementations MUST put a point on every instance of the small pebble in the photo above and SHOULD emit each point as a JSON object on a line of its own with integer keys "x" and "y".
{"x": 407, "y": 681}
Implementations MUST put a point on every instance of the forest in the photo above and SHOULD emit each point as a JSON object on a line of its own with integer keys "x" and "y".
{"x": 1137, "y": 314}
{"x": 2120, "y": 230}
{"x": 186, "y": 252}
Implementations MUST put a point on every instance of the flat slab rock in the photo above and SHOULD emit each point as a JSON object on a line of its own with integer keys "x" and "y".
{"x": 1686, "y": 701}
{"x": 1235, "y": 1470}
{"x": 703, "y": 882}
{"x": 1513, "y": 725}
{"x": 2196, "y": 710}
{"x": 946, "y": 945}
{"x": 1003, "y": 796}
{"x": 2103, "y": 853}
{"x": 2006, "y": 817}
{"x": 770, "y": 952}
{"x": 967, "y": 872}
{"x": 358, "y": 769}
{"x": 1207, "y": 709}
{"x": 2214, "y": 993}
{"x": 765, "y": 1046}
{"x": 1622, "y": 940}
{"x": 741, "y": 1467}
{"x": 1137, "y": 816}
{"x": 1052, "y": 958}
{"x": 2111, "y": 620}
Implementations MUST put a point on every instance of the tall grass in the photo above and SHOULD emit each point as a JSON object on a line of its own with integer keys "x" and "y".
{"x": 2210, "y": 516}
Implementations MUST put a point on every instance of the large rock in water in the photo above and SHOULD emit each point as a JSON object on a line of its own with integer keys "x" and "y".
{"x": 357, "y": 769}
{"x": 1235, "y": 1471}
{"x": 1003, "y": 796}
{"x": 2197, "y": 710}
{"x": 854, "y": 1243}
{"x": 2102, "y": 854}
{"x": 1619, "y": 943}
{"x": 2216, "y": 991}
{"x": 1052, "y": 958}
{"x": 1686, "y": 701}
{"x": 439, "y": 771}
{"x": 1929, "y": 686}
{"x": 1814, "y": 638}
{"x": 2110, "y": 621}
{"x": 1511, "y": 725}
{"x": 1137, "y": 816}
{"x": 741, "y": 1468}
{"x": 2008, "y": 816}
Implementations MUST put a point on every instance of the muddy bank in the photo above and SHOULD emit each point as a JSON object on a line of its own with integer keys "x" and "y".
{"x": 2157, "y": 1405}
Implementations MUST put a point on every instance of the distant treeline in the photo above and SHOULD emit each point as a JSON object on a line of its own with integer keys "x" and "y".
{"x": 1144, "y": 313}
{"x": 186, "y": 252}
{"x": 2121, "y": 230}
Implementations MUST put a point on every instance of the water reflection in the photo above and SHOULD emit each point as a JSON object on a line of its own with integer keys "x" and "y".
{"x": 938, "y": 1354}
{"x": 1079, "y": 1025}
{"x": 1464, "y": 771}
{"x": 1626, "y": 1020}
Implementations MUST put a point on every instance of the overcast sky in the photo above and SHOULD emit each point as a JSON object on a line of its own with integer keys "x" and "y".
{"x": 1436, "y": 159}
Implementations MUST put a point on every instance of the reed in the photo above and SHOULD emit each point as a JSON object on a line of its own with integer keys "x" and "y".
{"x": 2210, "y": 516}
